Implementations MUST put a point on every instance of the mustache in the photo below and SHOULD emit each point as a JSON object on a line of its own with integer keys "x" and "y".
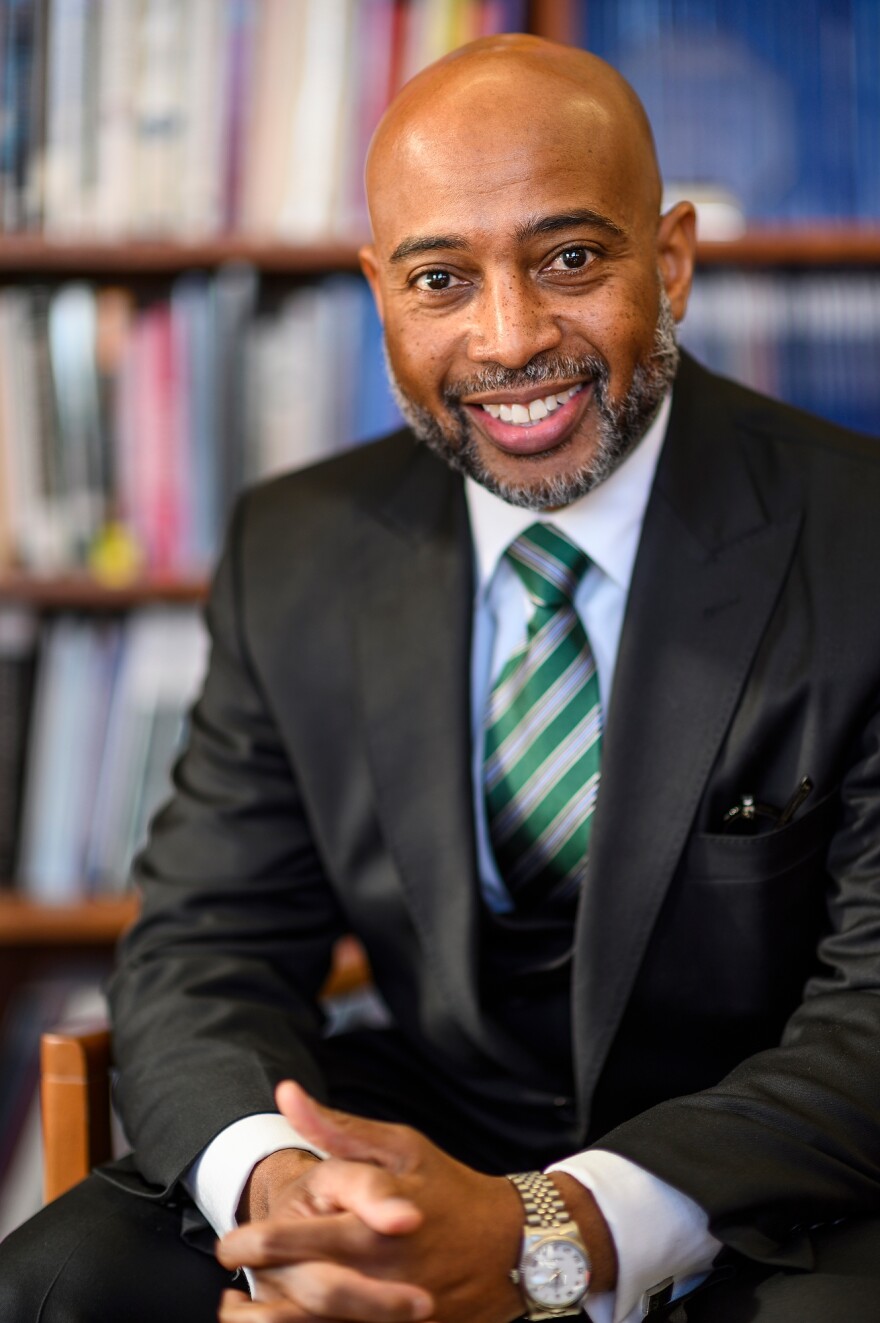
{"x": 542, "y": 368}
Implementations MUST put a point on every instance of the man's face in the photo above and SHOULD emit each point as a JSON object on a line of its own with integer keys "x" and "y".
{"x": 527, "y": 332}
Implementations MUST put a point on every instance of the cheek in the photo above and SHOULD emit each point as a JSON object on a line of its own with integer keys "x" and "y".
{"x": 420, "y": 358}
{"x": 621, "y": 325}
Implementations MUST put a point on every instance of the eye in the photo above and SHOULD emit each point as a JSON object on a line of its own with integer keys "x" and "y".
{"x": 572, "y": 258}
{"x": 436, "y": 281}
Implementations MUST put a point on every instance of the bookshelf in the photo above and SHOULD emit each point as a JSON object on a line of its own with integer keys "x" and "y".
{"x": 97, "y": 924}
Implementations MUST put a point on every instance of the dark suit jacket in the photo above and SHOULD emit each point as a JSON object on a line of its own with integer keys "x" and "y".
{"x": 726, "y": 1022}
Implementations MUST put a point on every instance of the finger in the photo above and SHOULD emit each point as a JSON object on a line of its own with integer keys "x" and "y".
{"x": 334, "y": 1291}
{"x": 371, "y": 1193}
{"x": 341, "y": 1134}
{"x": 282, "y": 1240}
{"x": 235, "y": 1307}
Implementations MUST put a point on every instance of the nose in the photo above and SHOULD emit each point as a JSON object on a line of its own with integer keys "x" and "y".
{"x": 511, "y": 323}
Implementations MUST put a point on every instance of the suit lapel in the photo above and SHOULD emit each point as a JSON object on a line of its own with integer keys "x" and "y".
{"x": 413, "y": 630}
{"x": 710, "y": 565}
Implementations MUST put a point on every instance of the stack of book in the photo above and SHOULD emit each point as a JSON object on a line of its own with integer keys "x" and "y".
{"x": 812, "y": 339}
{"x": 150, "y": 418}
{"x": 106, "y": 719}
{"x": 132, "y": 117}
{"x": 776, "y": 105}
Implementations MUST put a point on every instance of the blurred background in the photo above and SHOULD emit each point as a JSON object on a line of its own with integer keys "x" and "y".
{"x": 181, "y": 314}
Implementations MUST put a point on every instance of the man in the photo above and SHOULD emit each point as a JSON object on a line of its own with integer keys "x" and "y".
{"x": 583, "y": 744}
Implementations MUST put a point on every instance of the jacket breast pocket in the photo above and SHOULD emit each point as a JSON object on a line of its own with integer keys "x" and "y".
{"x": 721, "y": 856}
{"x": 744, "y": 915}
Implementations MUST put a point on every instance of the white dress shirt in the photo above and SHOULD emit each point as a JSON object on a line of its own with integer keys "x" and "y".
{"x": 658, "y": 1231}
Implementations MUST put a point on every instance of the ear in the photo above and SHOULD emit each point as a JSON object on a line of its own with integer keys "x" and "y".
{"x": 676, "y": 253}
{"x": 370, "y": 267}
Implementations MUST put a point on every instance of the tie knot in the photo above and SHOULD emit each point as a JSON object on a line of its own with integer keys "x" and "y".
{"x": 549, "y": 564}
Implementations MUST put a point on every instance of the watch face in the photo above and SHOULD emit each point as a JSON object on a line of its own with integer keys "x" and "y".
{"x": 555, "y": 1274}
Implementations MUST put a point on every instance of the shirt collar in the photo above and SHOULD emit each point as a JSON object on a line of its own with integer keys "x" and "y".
{"x": 606, "y": 523}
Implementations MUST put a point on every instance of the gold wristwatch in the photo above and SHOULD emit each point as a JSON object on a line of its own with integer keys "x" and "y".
{"x": 553, "y": 1273}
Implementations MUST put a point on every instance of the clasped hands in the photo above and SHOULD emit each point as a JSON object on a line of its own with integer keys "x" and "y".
{"x": 387, "y": 1229}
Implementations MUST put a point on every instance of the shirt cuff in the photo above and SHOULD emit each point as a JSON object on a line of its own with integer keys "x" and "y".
{"x": 658, "y": 1232}
{"x": 217, "y": 1178}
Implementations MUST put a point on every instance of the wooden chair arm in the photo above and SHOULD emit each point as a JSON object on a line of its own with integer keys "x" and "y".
{"x": 75, "y": 1102}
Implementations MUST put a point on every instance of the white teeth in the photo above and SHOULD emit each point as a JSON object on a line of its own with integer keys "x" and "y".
{"x": 535, "y": 412}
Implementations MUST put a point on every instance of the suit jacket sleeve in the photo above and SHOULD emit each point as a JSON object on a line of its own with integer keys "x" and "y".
{"x": 237, "y": 915}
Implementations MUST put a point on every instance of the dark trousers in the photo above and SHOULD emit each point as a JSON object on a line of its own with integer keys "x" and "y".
{"x": 101, "y": 1254}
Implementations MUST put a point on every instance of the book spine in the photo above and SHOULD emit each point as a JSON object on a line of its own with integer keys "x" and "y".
{"x": 18, "y": 638}
{"x": 18, "y": 57}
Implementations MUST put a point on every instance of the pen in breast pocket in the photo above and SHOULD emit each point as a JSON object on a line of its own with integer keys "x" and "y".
{"x": 795, "y": 802}
{"x": 745, "y": 816}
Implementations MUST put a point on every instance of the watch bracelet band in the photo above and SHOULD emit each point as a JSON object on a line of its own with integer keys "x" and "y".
{"x": 543, "y": 1204}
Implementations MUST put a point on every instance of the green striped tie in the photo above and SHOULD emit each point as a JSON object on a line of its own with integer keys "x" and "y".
{"x": 544, "y": 730}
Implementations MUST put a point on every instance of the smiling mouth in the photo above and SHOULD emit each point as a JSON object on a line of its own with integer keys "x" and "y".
{"x": 530, "y": 428}
{"x": 527, "y": 415}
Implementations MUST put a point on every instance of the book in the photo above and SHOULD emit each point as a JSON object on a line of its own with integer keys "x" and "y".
{"x": 35, "y": 132}
{"x": 115, "y": 83}
{"x": 80, "y": 497}
{"x": 316, "y": 146}
{"x": 156, "y": 464}
{"x": 162, "y": 661}
{"x": 234, "y": 292}
{"x": 201, "y": 180}
{"x": 75, "y": 676}
{"x": 18, "y": 638}
{"x": 240, "y": 37}
{"x": 30, "y": 440}
{"x": 66, "y": 94}
{"x": 17, "y": 36}
{"x": 369, "y": 83}
{"x": 197, "y": 419}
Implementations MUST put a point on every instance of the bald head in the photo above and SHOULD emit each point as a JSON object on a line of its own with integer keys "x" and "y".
{"x": 516, "y": 95}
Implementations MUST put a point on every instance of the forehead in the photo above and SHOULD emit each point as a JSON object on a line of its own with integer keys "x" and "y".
{"x": 486, "y": 168}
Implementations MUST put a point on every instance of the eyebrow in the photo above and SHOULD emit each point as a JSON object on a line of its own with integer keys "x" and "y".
{"x": 567, "y": 220}
{"x": 530, "y": 229}
{"x": 428, "y": 244}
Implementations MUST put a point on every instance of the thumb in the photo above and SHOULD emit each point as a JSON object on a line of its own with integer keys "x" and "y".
{"x": 369, "y": 1186}
{"x": 339, "y": 1133}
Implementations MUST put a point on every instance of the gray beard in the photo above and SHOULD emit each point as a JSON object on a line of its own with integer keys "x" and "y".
{"x": 621, "y": 425}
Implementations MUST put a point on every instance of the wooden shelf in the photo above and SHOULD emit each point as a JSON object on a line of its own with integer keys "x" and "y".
{"x": 802, "y": 246}
{"x": 28, "y": 923}
{"x": 36, "y": 254}
{"x": 27, "y": 255}
{"x": 25, "y": 922}
{"x": 82, "y": 592}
